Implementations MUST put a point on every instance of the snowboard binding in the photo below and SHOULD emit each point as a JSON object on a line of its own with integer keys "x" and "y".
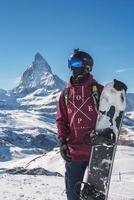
{"x": 88, "y": 192}
{"x": 105, "y": 136}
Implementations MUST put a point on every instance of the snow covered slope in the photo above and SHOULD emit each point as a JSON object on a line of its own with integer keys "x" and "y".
{"x": 27, "y": 113}
{"x": 127, "y": 133}
{"x": 49, "y": 187}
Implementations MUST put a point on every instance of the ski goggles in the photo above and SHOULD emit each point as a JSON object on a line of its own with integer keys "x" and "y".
{"x": 74, "y": 63}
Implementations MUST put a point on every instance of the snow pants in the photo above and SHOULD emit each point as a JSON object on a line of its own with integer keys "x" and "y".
{"x": 74, "y": 173}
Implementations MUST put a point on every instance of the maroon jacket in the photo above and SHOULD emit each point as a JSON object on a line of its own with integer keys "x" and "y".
{"x": 77, "y": 118}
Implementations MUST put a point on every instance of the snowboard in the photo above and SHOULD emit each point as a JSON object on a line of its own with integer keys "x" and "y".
{"x": 96, "y": 181}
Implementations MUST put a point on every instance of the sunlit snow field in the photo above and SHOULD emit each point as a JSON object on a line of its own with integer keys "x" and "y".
{"x": 42, "y": 187}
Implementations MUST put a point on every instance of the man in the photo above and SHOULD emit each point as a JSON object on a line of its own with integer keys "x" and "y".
{"x": 76, "y": 119}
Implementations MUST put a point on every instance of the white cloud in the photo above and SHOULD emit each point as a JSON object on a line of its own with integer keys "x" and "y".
{"x": 123, "y": 70}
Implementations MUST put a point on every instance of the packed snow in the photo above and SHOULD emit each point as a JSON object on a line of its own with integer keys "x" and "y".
{"x": 49, "y": 187}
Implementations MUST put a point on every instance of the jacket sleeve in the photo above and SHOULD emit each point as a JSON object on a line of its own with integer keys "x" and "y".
{"x": 62, "y": 119}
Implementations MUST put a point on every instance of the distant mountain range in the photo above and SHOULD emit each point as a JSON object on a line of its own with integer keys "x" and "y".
{"x": 130, "y": 102}
{"x": 27, "y": 112}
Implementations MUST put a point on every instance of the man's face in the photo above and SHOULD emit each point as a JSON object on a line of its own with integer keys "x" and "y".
{"x": 77, "y": 72}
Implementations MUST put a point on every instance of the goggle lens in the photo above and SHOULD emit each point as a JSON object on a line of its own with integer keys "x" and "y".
{"x": 74, "y": 63}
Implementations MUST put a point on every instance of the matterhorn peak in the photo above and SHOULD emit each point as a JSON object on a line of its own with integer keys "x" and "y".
{"x": 39, "y": 75}
{"x": 38, "y": 56}
{"x": 40, "y": 63}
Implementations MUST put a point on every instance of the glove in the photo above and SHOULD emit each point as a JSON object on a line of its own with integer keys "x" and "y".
{"x": 93, "y": 136}
{"x": 64, "y": 151}
{"x": 88, "y": 137}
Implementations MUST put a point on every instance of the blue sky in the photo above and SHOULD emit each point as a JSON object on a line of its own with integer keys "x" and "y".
{"x": 104, "y": 28}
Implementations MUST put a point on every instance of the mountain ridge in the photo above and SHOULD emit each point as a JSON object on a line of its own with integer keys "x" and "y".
{"x": 38, "y": 75}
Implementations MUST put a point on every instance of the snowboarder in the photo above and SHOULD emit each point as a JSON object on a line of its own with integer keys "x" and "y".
{"x": 76, "y": 119}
